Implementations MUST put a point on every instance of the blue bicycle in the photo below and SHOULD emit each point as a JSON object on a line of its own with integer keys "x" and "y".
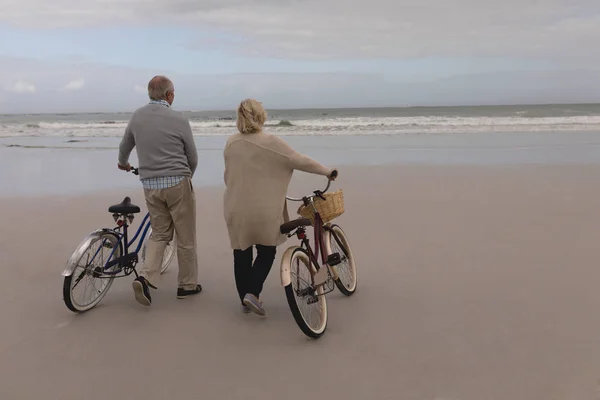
{"x": 104, "y": 255}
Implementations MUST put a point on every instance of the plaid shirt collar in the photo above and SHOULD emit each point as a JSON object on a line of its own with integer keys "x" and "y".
{"x": 161, "y": 102}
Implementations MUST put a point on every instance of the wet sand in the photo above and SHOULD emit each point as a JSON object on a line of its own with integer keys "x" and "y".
{"x": 474, "y": 283}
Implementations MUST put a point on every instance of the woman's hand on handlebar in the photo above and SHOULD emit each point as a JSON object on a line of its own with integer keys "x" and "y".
{"x": 333, "y": 175}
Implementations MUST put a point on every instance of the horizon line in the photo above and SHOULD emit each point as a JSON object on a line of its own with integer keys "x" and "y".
{"x": 324, "y": 108}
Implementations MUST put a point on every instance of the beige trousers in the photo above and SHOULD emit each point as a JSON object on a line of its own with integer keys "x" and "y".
{"x": 172, "y": 210}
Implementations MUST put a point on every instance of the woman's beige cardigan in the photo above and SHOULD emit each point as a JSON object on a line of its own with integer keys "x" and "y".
{"x": 258, "y": 170}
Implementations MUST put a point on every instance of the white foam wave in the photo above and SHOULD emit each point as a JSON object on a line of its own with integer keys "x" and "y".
{"x": 328, "y": 126}
{"x": 447, "y": 121}
{"x": 69, "y": 126}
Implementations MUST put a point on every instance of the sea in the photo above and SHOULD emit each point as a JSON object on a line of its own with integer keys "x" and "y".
{"x": 67, "y": 153}
{"x": 319, "y": 122}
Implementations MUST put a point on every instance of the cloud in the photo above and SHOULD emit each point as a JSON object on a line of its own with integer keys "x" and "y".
{"x": 21, "y": 86}
{"x": 76, "y": 84}
{"x": 563, "y": 31}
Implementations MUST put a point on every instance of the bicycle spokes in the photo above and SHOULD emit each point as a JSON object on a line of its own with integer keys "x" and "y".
{"x": 91, "y": 271}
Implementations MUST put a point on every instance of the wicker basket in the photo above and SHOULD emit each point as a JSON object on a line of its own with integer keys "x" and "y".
{"x": 328, "y": 209}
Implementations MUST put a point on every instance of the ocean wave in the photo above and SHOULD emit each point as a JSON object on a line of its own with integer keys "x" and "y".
{"x": 442, "y": 121}
{"x": 55, "y": 147}
{"x": 325, "y": 125}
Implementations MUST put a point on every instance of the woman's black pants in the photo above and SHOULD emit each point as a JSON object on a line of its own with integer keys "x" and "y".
{"x": 249, "y": 276}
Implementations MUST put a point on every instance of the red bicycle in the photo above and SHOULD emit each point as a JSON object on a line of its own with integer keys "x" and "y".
{"x": 307, "y": 279}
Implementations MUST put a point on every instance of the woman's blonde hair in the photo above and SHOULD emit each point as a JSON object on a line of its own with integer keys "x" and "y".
{"x": 251, "y": 116}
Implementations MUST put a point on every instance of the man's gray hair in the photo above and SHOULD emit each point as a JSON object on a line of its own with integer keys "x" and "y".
{"x": 159, "y": 86}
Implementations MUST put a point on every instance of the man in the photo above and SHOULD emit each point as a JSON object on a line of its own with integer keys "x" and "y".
{"x": 167, "y": 161}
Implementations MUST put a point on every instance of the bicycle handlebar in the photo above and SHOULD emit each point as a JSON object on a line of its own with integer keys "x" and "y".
{"x": 317, "y": 193}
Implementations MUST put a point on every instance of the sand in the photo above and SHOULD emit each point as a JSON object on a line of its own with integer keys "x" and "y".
{"x": 474, "y": 283}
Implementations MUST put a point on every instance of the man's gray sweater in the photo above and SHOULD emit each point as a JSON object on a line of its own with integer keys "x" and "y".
{"x": 164, "y": 141}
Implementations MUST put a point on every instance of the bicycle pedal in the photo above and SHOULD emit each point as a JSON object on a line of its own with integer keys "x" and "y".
{"x": 334, "y": 259}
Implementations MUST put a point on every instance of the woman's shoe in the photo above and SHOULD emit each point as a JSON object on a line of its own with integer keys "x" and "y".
{"x": 254, "y": 304}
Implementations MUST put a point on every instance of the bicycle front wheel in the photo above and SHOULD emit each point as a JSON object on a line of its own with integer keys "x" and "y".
{"x": 167, "y": 257}
{"x": 307, "y": 303}
{"x": 90, "y": 281}
{"x": 338, "y": 243}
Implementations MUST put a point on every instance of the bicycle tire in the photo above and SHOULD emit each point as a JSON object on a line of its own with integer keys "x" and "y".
{"x": 298, "y": 253}
{"x": 68, "y": 280}
{"x": 347, "y": 288}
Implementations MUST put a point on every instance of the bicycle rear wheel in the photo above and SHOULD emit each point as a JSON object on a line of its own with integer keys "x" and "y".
{"x": 167, "y": 257}
{"x": 338, "y": 243}
{"x": 90, "y": 274}
{"x": 307, "y": 304}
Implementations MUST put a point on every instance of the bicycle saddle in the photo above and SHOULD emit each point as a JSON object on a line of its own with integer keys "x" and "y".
{"x": 125, "y": 207}
{"x": 293, "y": 224}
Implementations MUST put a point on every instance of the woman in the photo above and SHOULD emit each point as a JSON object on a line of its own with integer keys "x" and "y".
{"x": 258, "y": 170}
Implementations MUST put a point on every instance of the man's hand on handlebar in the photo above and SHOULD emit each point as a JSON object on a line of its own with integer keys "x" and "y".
{"x": 124, "y": 167}
{"x": 128, "y": 168}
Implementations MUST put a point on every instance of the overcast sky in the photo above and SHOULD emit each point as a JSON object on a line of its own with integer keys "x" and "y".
{"x": 98, "y": 55}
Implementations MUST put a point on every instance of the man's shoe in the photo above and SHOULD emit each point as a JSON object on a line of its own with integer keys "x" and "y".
{"x": 183, "y": 293}
{"x": 141, "y": 291}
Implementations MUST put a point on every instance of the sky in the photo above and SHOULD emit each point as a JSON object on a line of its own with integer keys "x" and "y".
{"x": 98, "y": 55}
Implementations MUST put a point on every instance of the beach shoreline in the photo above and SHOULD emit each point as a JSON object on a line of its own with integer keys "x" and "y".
{"x": 86, "y": 167}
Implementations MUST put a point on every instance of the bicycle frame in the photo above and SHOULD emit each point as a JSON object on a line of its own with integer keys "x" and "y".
{"x": 318, "y": 238}
{"x": 123, "y": 242}
{"x": 127, "y": 258}
{"x": 322, "y": 246}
